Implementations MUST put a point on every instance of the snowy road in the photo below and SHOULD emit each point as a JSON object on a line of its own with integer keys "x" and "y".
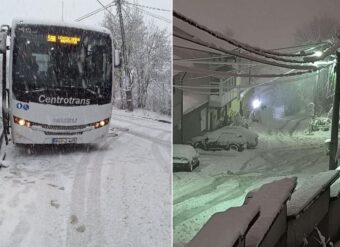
{"x": 118, "y": 194}
{"x": 224, "y": 177}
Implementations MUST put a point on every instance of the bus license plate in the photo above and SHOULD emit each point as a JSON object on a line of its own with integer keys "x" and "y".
{"x": 64, "y": 140}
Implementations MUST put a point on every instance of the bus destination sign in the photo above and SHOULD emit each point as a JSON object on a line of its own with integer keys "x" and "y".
{"x": 63, "y": 39}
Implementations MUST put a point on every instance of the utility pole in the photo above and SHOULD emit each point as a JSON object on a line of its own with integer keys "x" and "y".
{"x": 126, "y": 74}
{"x": 333, "y": 146}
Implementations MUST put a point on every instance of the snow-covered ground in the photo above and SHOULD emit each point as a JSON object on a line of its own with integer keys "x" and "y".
{"x": 224, "y": 177}
{"x": 118, "y": 194}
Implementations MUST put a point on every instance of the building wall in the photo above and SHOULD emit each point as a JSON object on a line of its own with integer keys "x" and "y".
{"x": 192, "y": 123}
{"x": 233, "y": 109}
{"x": 177, "y": 109}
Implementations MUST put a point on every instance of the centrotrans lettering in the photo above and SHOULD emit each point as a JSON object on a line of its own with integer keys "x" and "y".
{"x": 61, "y": 100}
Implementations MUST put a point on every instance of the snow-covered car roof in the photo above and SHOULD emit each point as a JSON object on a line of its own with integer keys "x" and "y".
{"x": 184, "y": 151}
{"x": 231, "y": 138}
{"x": 247, "y": 133}
{"x": 17, "y": 21}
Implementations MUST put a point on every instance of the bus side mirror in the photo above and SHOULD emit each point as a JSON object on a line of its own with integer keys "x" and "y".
{"x": 117, "y": 59}
{"x": 3, "y": 42}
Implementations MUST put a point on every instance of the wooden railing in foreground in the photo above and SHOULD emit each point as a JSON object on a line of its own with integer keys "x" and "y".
{"x": 277, "y": 216}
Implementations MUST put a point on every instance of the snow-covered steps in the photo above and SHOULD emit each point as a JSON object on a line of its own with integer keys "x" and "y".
{"x": 308, "y": 210}
{"x": 227, "y": 228}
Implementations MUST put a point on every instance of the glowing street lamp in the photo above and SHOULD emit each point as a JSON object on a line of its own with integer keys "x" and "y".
{"x": 318, "y": 54}
{"x": 256, "y": 103}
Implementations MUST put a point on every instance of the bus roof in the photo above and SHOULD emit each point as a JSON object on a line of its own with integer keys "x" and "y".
{"x": 60, "y": 24}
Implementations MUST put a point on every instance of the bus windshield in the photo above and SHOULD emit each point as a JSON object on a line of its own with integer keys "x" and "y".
{"x": 61, "y": 61}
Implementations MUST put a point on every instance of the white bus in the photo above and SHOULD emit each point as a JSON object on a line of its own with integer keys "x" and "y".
{"x": 60, "y": 80}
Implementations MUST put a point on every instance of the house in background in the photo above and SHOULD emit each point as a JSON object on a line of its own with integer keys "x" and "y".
{"x": 201, "y": 103}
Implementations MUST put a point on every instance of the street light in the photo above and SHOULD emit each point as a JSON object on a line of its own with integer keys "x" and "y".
{"x": 256, "y": 103}
{"x": 318, "y": 53}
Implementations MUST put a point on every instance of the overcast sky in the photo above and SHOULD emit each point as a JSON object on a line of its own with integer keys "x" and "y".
{"x": 51, "y": 10}
{"x": 264, "y": 23}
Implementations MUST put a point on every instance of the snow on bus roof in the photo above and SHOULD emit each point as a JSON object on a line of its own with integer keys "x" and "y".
{"x": 60, "y": 24}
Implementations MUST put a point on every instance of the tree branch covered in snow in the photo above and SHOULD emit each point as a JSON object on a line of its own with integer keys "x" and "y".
{"x": 320, "y": 28}
{"x": 149, "y": 56}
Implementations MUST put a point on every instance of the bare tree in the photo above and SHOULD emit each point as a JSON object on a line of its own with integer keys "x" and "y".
{"x": 319, "y": 29}
{"x": 149, "y": 55}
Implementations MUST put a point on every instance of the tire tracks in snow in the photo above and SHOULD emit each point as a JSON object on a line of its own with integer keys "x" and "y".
{"x": 187, "y": 214}
{"x": 142, "y": 125}
{"x": 296, "y": 125}
{"x": 281, "y": 128}
{"x": 85, "y": 199}
{"x": 279, "y": 155}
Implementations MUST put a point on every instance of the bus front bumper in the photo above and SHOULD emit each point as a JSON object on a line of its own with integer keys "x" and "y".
{"x": 24, "y": 135}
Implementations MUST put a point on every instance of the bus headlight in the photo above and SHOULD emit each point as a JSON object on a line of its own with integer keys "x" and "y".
{"x": 22, "y": 122}
{"x": 101, "y": 123}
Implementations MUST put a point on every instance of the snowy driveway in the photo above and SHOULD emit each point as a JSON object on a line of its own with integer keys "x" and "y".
{"x": 118, "y": 194}
{"x": 224, "y": 177}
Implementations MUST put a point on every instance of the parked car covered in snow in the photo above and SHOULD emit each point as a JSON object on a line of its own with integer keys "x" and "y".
{"x": 251, "y": 136}
{"x": 221, "y": 141}
{"x": 185, "y": 157}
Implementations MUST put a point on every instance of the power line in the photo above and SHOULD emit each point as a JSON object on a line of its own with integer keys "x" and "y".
{"x": 287, "y": 79}
{"x": 147, "y": 7}
{"x": 258, "y": 51}
{"x": 245, "y": 56}
{"x": 126, "y": 12}
{"x": 225, "y": 56}
{"x": 154, "y": 15}
{"x": 224, "y": 74}
{"x": 106, "y": 8}
{"x": 94, "y": 12}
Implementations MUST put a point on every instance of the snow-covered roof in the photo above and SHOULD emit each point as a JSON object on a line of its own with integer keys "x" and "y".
{"x": 270, "y": 198}
{"x": 59, "y": 24}
{"x": 193, "y": 101}
{"x": 224, "y": 228}
{"x": 309, "y": 190}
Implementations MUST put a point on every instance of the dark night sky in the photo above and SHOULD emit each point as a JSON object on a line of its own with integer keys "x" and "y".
{"x": 264, "y": 23}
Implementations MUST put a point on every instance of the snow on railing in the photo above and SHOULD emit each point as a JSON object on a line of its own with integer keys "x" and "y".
{"x": 308, "y": 211}
{"x": 309, "y": 191}
{"x": 267, "y": 218}
{"x": 271, "y": 225}
{"x": 226, "y": 228}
